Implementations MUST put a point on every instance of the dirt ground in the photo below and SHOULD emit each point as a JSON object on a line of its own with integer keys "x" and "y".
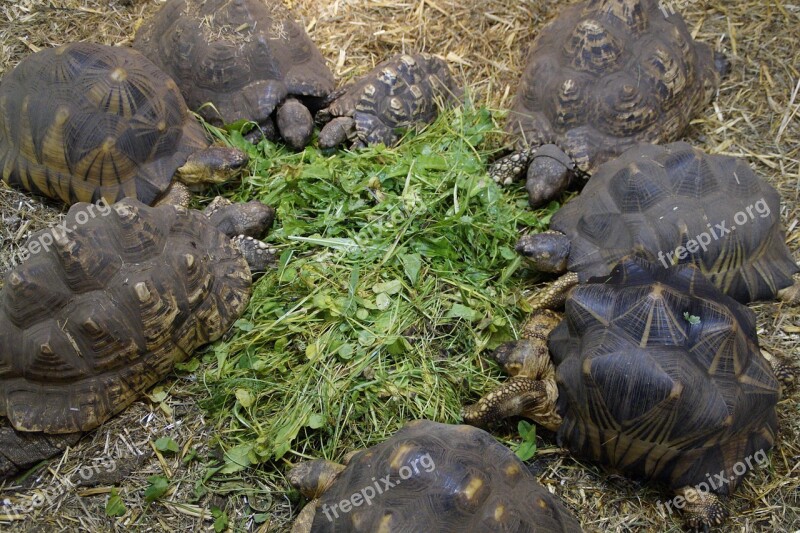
{"x": 485, "y": 42}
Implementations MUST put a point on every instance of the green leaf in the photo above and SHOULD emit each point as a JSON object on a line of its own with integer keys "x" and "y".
{"x": 244, "y": 325}
{"x": 526, "y": 430}
{"x": 245, "y": 397}
{"x": 220, "y": 519}
{"x": 166, "y": 444}
{"x": 526, "y": 448}
{"x": 382, "y": 301}
{"x": 412, "y": 263}
{"x": 115, "y": 506}
{"x": 158, "y": 485}
{"x": 315, "y": 421}
{"x": 462, "y": 311}
{"x": 389, "y": 287}
{"x": 158, "y": 395}
{"x": 691, "y": 319}
{"x": 189, "y": 366}
{"x": 237, "y": 459}
{"x": 346, "y": 351}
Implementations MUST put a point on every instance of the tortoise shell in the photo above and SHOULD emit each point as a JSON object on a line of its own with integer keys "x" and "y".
{"x": 86, "y": 121}
{"x": 105, "y": 305}
{"x": 404, "y": 90}
{"x": 243, "y": 56}
{"x": 660, "y": 376}
{"x": 441, "y": 478}
{"x": 606, "y": 74}
{"x": 676, "y": 204}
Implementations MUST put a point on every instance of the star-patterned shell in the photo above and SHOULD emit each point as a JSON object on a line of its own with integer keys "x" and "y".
{"x": 676, "y": 204}
{"x": 404, "y": 90}
{"x": 440, "y": 477}
{"x": 660, "y": 377}
{"x": 243, "y": 56}
{"x": 102, "y": 310}
{"x": 606, "y": 74}
{"x": 86, "y": 121}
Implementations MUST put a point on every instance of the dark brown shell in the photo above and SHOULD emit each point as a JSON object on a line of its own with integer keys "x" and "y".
{"x": 444, "y": 478}
{"x": 86, "y": 121}
{"x": 606, "y": 74}
{"x": 105, "y": 311}
{"x": 243, "y": 56}
{"x": 660, "y": 376}
{"x": 653, "y": 199}
{"x": 404, "y": 90}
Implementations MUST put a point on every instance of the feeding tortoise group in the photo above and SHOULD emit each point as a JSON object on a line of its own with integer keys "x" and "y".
{"x": 576, "y": 108}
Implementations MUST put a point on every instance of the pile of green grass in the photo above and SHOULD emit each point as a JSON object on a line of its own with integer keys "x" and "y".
{"x": 396, "y": 272}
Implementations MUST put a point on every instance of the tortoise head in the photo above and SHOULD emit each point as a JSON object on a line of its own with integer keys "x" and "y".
{"x": 313, "y": 478}
{"x": 215, "y": 164}
{"x": 550, "y": 172}
{"x": 547, "y": 251}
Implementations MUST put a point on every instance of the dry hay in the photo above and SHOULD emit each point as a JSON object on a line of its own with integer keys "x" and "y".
{"x": 755, "y": 115}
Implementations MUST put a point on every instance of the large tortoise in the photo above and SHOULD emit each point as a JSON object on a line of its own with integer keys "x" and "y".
{"x": 248, "y": 58}
{"x": 404, "y": 90}
{"x": 670, "y": 204}
{"x": 657, "y": 375}
{"x": 428, "y": 477}
{"x": 86, "y": 121}
{"x": 100, "y": 311}
{"x": 600, "y": 77}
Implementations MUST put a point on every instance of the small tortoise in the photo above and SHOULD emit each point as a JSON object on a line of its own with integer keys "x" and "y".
{"x": 670, "y": 204}
{"x": 248, "y": 58}
{"x": 657, "y": 375}
{"x": 602, "y": 76}
{"x": 100, "y": 311}
{"x": 400, "y": 92}
{"x": 85, "y": 121}
{"x": 428, "y": 477}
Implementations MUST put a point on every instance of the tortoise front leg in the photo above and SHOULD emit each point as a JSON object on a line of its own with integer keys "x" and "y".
{"x": 519, "y": 396}
{"x": 555, "y": 294}
{"x": 531, "y": 391}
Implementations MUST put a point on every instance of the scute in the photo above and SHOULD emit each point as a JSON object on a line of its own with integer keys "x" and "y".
{"x": 94, "y": 319}
{"x": 464, "y": 481}
{"x": 86, "y": 121}
{"x": 653, "y": 199}
{"x": 648, "y": 392}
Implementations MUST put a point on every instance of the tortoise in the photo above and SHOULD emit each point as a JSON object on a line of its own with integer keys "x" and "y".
{"x": 248, "y": 58}
{"x": 670, "y": 204}
{"x": 602, "y": 76}
{"x": 658, "y": 375}
{"x": 100, "y": 311}
{"x": 405, "y": 89}
{"x": 428, "y": 477}
{"x": 85, "y": 121}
